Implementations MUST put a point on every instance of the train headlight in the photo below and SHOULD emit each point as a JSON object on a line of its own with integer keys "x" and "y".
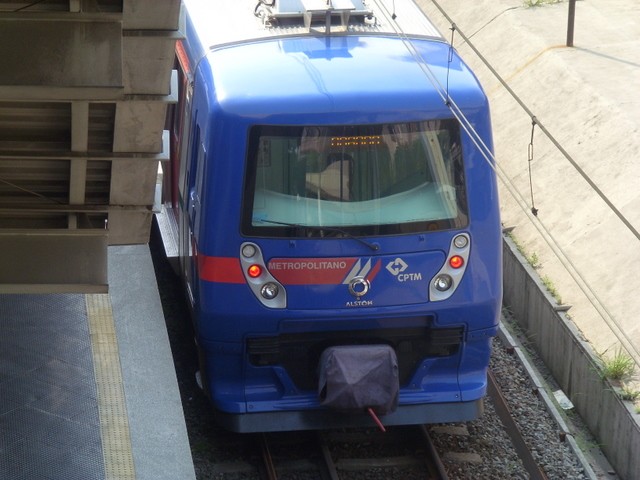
{"x": 264, "y": 286}
{"x": 443, "y": 282}
{"x": 248, "y": 250}
{"x": 269, "y": 291}
{"x": 461, "y": 241}
{"x": 446, "y": 281}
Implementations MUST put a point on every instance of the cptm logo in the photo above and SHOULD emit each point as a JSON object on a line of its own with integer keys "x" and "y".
{"x": 397, "y": 268}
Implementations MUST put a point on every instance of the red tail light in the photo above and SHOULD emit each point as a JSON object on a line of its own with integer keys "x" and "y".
{"x": 254, "y": 271}
{"x": 456, "y": 261}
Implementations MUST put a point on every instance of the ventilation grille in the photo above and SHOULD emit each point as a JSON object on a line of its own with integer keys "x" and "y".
{"x": 299, "y": 354}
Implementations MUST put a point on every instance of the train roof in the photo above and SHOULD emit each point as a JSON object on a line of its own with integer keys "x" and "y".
{"x": 223, "y": 22}
{"x": 287, "y": 73}
{"x": 370, "y": 78}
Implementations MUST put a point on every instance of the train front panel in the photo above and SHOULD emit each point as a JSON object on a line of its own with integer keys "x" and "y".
{"x": 331, "y": 218}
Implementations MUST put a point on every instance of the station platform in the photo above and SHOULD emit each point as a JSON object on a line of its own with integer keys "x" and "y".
{"x": 87, "y": 382}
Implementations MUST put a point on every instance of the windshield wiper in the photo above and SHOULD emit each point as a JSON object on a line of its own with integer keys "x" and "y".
{"x": 373, "y": 246}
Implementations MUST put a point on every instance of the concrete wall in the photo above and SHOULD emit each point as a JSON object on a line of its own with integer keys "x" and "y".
{"x": 573, "y": 364}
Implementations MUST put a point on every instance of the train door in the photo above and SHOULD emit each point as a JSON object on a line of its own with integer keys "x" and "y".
{"x": 177, "y": 116}
{"x": 176, "y": 119}
{"x": 187, "y": 158}
{"x": 190, "y": 232}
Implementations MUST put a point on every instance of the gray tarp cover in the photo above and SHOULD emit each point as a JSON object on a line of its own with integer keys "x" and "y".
{"x": 359, "y": 377}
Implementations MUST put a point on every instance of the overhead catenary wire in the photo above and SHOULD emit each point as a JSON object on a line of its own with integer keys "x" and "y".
{"x": 488, "y": 155}
{"x": 575, "y": 165}
{"x": 534, "y": 210}
{"x": 449, "y": 60}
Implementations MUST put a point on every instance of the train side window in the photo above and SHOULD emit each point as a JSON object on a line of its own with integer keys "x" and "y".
{"x": 197, "y": 190}
{"x": 192, "y": 157}
{"x": 185, "y": 145}
{"x": 175, "y": 112}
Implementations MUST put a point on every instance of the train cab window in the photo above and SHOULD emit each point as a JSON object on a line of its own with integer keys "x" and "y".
{"x": 371, "y": 179}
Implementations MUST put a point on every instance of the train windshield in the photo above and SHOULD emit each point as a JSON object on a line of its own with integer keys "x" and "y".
{"x": 361, "y": 180}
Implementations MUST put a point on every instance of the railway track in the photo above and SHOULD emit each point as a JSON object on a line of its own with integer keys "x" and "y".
{"x": 459, "y": 457}
{"x": 510, "y": 425}
{"x": 343, "y": 454}
{"x": 402, "y": 451}
{"x": 406, "y": 452}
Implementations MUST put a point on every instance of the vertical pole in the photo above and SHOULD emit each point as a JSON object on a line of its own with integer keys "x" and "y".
{"x": 78, "y": 170}
{"x": 572, "y": 18}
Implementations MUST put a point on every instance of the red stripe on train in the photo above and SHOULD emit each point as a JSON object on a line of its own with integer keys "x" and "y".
{"x": 220, "y": 269}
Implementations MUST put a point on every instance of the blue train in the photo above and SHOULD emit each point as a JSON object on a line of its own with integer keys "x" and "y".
{"x": 336, "y": 228}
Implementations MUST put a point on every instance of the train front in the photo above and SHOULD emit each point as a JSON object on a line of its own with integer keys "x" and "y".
{"x": 349, "y": 257}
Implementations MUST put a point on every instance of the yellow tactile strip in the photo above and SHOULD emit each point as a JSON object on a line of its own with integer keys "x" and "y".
{"x": 114, "y": 423}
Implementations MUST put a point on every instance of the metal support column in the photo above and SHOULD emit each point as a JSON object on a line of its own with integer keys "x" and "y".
{"x": 571, "y": 22}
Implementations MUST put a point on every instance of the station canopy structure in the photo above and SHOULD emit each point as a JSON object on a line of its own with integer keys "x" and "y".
{"x": 84, "y": 89}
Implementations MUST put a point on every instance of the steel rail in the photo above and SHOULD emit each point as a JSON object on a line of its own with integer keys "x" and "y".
{"x": 330, "y": 471}
{"x": 519, "y": 443}
{"x": 267, "y": 461}
{"x": 434, "y": 462}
